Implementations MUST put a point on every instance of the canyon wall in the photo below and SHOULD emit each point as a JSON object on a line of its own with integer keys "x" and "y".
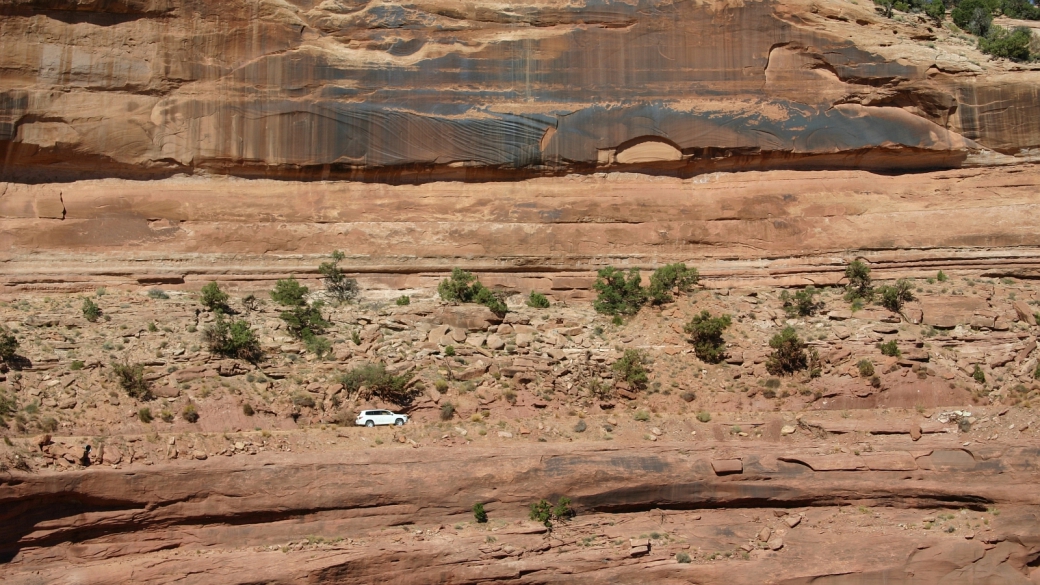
{"x": 161, "y": 141}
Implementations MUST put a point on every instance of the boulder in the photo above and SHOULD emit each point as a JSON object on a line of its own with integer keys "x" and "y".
{"x": 466, "y": 317}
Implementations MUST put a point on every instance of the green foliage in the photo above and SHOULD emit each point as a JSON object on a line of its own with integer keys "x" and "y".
{"x": 8, "y": 344}
{"x": 894, "y": 296}
{"x": 379, "y": 383}
{"x": 641, "y": 416}
{"x": 152, "y": 327}
{"x": 886, "y": 6}
{"x": 355, "y": 336}
{"x": 618, "y": 294}
{"x": 671, "y": 277}
{"x": 1021, "y": 9}
{"x": 449, "y": 351}
{"x": 131, "y": 379}
{"x": 546, "y": 513}
{"x": 247, "y": 409}
{"x": 76, "y": 365}
{"x": 935, "y": 10}
{"x": 166, "y": 416}
{"x": 190, "y": 413}
{"x": 234, "y": 339}
{"x": 288, "y": 292}
{"x": 158, "y": 294}
{"x": 703, "y": 416}
{"x": 447, "y": 411}
{"x": 682, "y": 557}
{"x": 316, "y": 344}
{"x": 337, "y": 285}
{"x": 488, "y": 298}
{"x": 859, "y": 286}
{"x": 706, "y": 335}
{"x": 460, "y": 287}
{"x": 890, "y": 348}
{"x": 463, "y": 287}
{"x": 974, "y": 16}
{"x": 48, "y": 424}
{"x": 632, "y": 368}
{"x": 788, "y": 353}
{"x": 802, "y": 304}
{"x": 479, "y": 514}
{"x": 403, "y": 300}
{"x": 979, "y": 375}
{"x": 145, "y": 415}
{"x": 1005, "y": 44}
{"x": 941, "y": 276}
{"x": 1036, "y": 372}
{"x": 866, "y": 368}
{"x": 305, "y": 321}
{"x": 91, "y": 312}
{"x": 8, "y": 403}
{"x": 213, "y": 298}
{"x": 537, "y": 300}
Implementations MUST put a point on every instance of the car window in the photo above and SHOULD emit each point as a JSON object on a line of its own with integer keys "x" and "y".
{"x": 387, "y": 413}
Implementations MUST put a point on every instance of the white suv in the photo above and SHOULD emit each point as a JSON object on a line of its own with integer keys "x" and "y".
{"x": 371, "y": 418}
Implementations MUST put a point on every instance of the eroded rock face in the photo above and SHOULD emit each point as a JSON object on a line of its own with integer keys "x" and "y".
{"x": 431, "y": 89}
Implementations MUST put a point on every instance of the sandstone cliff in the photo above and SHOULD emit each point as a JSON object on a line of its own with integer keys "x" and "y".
{"x": 429, "y": 89}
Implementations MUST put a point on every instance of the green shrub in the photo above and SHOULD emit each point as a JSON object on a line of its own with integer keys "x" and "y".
{"x": 671, "y": 277}
{"x": 403, "y": 300}
{"x": 688, "y": 396}
{"x": 213, "y": 298}
{"x": 893, "y": 297}
{"x": 979, "y": 375}
{"x": 355, "y": 336}
{"x": 866, "y": 368}
{"x": 145, "y": 415}
{"x": 479, "y": 514}
{"x": 681, "y": 557}
{"x": 247, "y": 409}
{"x": 1036, "y": 372}
{"x": 618, "y": 294}
{"x": 941, "y": 276}
{"x": 8, "y": 345}
{"x": 546, "y": 513}
{"x": 8, "y": 403}
{"x": 449, "y": 351}
{"x": 631, "y": 368}
{"x": 337, "y": 285}
{"x": 319, "y": 346}
{"x": 642, "y": 416}
{"x": 1021, "y": 9}
{"x": 463, "y": 287}
{"x": 190, "y": 413}
{"x": 890, "y": 348}
{"x": 166, "y": 416}
{"x": 537, "y": 300}
{"x": 788, "y": 353}
{"x": 706, "y": 336}
{"x": 447, "y": 411}
{"x": 379, "y": 383}
{"x": 76, "y": 365}
{"x": 859, "y": 285}
{"x": 974, "y": 16}
{"x": 152, "y": 327}
{"x": 1004, "y": 44}
{"x": 703, "y": 416}
{"x": 131, "y": 379}
{"x": 232, "y": 339}
{"x": 288, "y": 292}
{"x": 158, "y": 294}
{"x": 91, "y": 312}
{"x": 303, "y": 321}
{"x": 48, "y": 424}
{"x": 802, "y": 303}
{"x": 935, "y": 10}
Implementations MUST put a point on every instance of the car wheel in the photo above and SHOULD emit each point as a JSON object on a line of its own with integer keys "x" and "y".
{"x": 398, "y": 422}
{"x": 370, "y": 424}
